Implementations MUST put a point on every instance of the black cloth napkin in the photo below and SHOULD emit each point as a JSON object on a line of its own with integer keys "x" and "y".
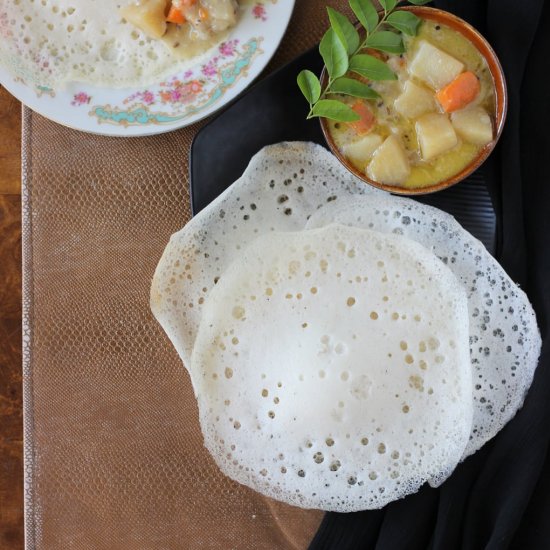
{"x": 500, "y": 497}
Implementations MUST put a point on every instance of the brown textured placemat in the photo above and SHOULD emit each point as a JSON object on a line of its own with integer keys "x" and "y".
{"x": 113, "y": 450}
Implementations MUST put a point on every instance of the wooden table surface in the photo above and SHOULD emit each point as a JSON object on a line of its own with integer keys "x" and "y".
{"x": 11, "y": 417}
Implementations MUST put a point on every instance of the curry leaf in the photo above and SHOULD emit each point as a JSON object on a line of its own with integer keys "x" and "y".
{"x": 404, "y": 21}
{"x": 310, "y": 86}
{"x": 419, "y": 2}
{"x": 365, "y": 11}
{"x": 335, "y": 110}
{"x": 341, "y": 48}
{"x": 386, "y": 41}
{"x": 388, "y": 5}
{"x": 334, "y": 54}
{"x": 370, "y": 67}
{"x": 344, "y": 29}
{"x": 350, "y": 86}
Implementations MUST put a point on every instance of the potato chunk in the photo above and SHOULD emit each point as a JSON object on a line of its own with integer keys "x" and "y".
{"x": 147, "y": 15}
{"x": 434, "y": 66}
{"x": 414, "y": 101}
{"x": 435, "y": 134}
{"x": 389, "y": 163}
{"x": 473, "y": 125}
{"x": 360, "y": 152}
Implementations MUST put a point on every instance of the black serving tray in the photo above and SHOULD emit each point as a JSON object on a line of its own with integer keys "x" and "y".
{"x": 274, "y": 110}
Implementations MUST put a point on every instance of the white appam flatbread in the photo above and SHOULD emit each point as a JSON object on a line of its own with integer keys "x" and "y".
{"x": 504, "y": 338}
{"x": 332, "y": 368}
{"x": 54, "y": 42}
{"x": 281, "y": 188}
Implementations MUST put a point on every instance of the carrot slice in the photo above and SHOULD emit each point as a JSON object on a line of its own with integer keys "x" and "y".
{"x": 175, "y": 15}
{"x": 458, "y": 93}
{"x": 367, "y": 120}
{"x": 188, "y": 3}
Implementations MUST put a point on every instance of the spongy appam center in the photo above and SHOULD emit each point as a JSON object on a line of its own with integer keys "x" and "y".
{"x": 334, "y": 359}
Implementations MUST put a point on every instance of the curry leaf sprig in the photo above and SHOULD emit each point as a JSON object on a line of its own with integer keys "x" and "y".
{"x": 341, "y": 49}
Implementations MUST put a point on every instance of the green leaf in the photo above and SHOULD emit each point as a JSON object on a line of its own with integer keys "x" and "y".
{"x": 370, "y": 67}
{"x": 310, "y": 86}
{"x": 388, "y": 5}
{"x": 386, "y": 41}
{"x": 350, "y": 86}
{"x": 419, "y": 2}
{"x": 334, "y": 54}
{"x": 366, "y": 13}
{"x": 335, "y": 110}
{"x": 404, "y": 21}
{"x": 344, "y": 29}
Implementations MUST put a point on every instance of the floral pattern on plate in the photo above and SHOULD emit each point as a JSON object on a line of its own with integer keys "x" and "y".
{"x": 185, "y": 95}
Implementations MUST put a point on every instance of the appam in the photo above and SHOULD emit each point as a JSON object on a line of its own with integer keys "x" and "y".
{"x": 505, "y": 340}
{"x": 332, "y": 368}
{"x": 53, "y": 42}
{"x": 281, "y": 188}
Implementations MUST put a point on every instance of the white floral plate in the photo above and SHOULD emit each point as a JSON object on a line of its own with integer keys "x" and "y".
{"x": 181, "y": 98}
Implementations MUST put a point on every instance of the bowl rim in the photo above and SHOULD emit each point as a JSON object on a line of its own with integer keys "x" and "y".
{"x": 501, "y": 105}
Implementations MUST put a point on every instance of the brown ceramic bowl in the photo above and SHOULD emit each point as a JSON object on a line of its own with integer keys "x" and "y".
{"x": 499, "y": 116}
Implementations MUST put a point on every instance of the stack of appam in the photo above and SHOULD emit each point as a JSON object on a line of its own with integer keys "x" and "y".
{"x": 345, "y": 345}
